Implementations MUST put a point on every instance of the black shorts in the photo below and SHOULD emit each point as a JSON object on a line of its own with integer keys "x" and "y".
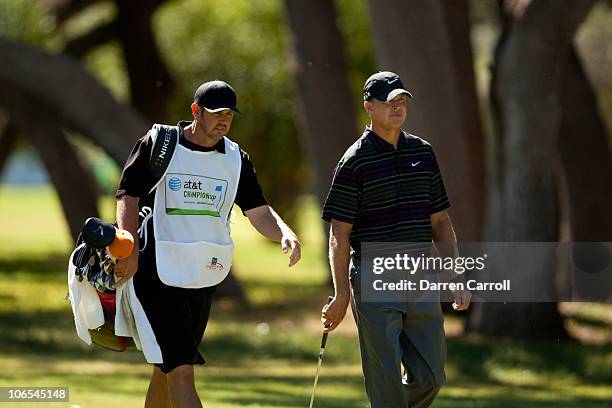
{"x": 178, "y": 316}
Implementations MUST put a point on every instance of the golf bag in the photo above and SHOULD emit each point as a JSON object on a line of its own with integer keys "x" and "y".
{"x": 98, "y": 247}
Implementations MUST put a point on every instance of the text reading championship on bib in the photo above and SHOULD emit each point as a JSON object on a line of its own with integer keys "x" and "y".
{"x": 188, "y": 194}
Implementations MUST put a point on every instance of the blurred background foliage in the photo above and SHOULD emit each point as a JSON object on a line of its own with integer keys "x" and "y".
{"x": 240, "y": 41}
{"x": 245, "y": 43}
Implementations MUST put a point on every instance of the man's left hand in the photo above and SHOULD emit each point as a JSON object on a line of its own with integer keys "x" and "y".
{"x": 462, "y": 299}
{"x": 290, "y": 241}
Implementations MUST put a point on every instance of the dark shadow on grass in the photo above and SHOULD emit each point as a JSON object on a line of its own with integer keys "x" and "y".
{"x": 19, "y": 335}
{"x": 50, "y": 263}
{"x": 514, "y": 402}
{"x": 470, "y": 356}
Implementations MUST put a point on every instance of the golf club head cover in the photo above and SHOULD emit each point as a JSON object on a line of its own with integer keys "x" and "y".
{"x": 97, "y": 233}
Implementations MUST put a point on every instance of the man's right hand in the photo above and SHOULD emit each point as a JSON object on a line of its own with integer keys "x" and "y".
{"x": 126, "y": 268}
{"x": 333, "y": 313}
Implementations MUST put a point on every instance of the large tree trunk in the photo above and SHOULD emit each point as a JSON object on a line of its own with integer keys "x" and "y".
{"x": 585, "y": 155}
{"x": 528, "y": 96}
{"x": 428, "y": 44}
{"x": 74, "y": 183}
{"x": 326, "y": 105}
{"x": 150, "y": 82}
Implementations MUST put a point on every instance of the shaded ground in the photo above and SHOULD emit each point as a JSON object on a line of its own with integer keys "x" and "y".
{"x": 264, "y": 355}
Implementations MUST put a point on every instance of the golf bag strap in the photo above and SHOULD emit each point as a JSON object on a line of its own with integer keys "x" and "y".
{"x": 165, "y": 141}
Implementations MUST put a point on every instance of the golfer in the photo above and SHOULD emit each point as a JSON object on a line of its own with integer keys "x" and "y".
{"x": 387, "y": 188}
{"x": 185, "y": 223}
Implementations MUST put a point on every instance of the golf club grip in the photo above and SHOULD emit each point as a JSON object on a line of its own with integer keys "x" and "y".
{"x": 324, "y": 338}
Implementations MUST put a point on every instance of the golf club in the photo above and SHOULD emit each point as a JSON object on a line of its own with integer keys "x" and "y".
{"x": 323, "y": 342}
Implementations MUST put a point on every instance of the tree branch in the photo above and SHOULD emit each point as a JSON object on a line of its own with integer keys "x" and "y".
{"x": 79, "y": 46}
{"x": 74, "y": 96}
{"x": 62, "y": 10}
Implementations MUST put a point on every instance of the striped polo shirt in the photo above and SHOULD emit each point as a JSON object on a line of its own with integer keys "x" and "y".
{"x": 387, "y": 194}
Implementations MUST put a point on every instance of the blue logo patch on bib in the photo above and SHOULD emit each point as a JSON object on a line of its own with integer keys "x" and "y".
{"x": 175, "y": 184}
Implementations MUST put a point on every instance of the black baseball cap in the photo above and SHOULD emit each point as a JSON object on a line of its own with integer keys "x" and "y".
{"x": 215, "y": 96}
{"x": 384, "y": 86}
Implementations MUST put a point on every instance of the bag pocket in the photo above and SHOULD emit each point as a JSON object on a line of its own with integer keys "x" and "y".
{"x": 193, "y": 264}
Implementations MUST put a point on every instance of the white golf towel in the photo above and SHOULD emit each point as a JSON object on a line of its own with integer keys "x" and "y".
{"x": 130, "y": 318}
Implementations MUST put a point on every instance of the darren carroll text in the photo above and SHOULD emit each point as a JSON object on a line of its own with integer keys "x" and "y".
{"x": 408, "y": 285}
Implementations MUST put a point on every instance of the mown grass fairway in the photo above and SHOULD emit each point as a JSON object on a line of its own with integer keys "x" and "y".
{"x": 263, "y": 355}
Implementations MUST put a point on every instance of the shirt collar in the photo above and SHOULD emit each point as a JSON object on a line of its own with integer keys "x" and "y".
{"x": 381, "y": 144}
{"x": 220, "y": 146}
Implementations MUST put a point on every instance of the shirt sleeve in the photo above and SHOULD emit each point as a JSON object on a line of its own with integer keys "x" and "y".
{"x": 439, "y": 198}
{"x": 249, "y": 194}
{"x": 342, "y": 201}
{"x": 136, "y": 179}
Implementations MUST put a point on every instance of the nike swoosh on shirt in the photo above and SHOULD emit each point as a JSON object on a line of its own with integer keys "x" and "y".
{"x": 414, "y": 164}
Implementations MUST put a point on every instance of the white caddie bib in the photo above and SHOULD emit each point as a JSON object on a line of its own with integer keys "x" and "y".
{"x": 193, "y": 202}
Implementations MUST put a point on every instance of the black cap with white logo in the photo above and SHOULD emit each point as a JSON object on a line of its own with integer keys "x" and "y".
{"x": 215, "y": 96}
{"x": 384, "y": 86}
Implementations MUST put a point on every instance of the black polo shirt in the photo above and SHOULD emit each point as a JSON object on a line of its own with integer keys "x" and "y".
{"x": 388, "y": 194}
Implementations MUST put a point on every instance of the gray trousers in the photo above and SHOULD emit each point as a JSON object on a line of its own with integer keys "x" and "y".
{"x": 393, "y": 335}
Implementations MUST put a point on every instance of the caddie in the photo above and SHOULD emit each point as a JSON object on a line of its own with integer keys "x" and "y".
{"x": 184, "y": 236}
{"x": 388, "y": 188}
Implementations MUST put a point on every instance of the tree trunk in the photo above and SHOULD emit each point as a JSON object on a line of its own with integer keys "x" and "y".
{"x": 73, "y": 182}
{"x": 150, "y": 82}
{"x": 529, "y": 99}
{"x": 326, "y": 105}
{"x": 585, "y": 155}
{"x": 8, "y": 139}
{"x": 428, "y": 44}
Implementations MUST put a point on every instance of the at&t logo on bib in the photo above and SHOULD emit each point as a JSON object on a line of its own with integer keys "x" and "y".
{"x": 175, "y": 183}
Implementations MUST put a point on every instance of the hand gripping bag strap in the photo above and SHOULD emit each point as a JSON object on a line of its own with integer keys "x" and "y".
{"x": 165, "y": 138}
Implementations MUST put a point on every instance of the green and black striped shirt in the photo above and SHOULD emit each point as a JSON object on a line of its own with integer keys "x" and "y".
{"x": 387, "y": 194}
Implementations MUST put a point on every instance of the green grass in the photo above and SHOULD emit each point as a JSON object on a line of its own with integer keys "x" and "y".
{"x": 264, "y": 354}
